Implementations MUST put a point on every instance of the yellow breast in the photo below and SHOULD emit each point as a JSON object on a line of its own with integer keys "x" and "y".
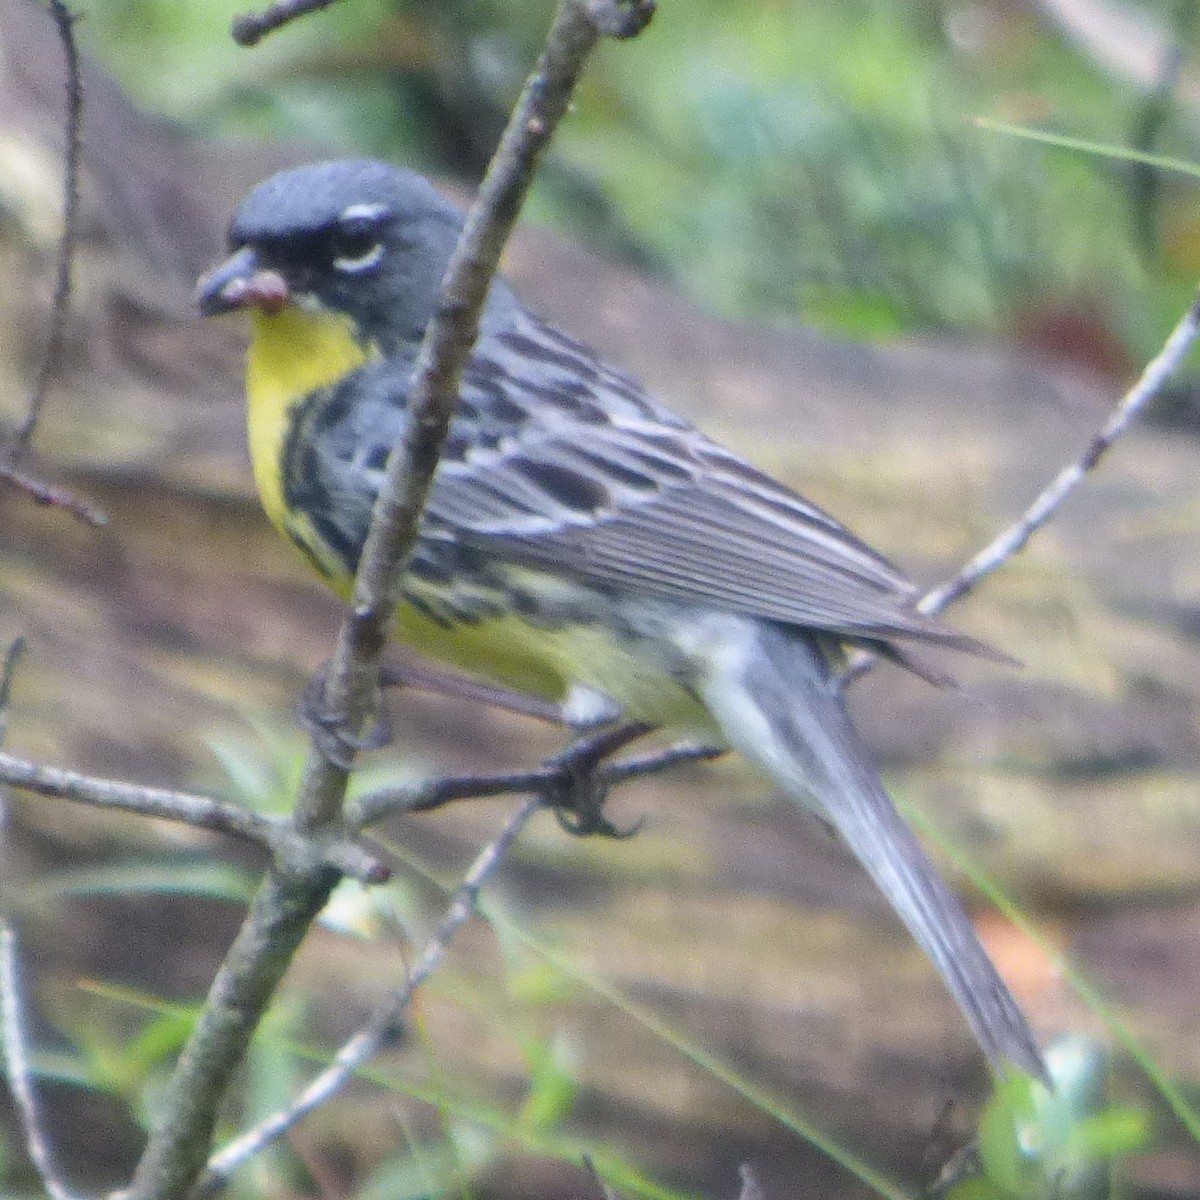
{"x": 292, "y": 354}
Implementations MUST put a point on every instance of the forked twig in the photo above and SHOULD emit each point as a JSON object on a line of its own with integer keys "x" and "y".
{"x": 384, "y": 1023}
{"x": 50, "y": 495}
{"x": 275, "y": 834}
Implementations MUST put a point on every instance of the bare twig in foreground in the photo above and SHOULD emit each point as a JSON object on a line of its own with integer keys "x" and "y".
{"x": 555, "y": 776}
{"x": 64, "y": 20}
{"x": 36, "y": 489}
{"x": 16, "y": 1066}
{"x": 50, "y": 496}
{"x": 1014, "y": 539}
{"x": 251, "y": 28}
{"x": 384, "y": 1023}
{"x": 351, "y": 681}
{"x": 289, "y": 900}
{"x": 275, "y": 834}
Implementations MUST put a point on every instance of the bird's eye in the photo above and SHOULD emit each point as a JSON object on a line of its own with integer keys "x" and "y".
{"x": 356, "y": 242}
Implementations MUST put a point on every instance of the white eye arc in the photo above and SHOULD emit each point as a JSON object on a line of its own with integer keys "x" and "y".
{"x": 362, "y": 262}
{"x": 358, "y": 226}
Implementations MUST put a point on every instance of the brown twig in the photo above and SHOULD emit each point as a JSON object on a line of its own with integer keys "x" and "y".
{"x": 64, "y": 21}
{"x": 351, "y": 681}
{"x": 1014, "y": 539}
{"x": 10, "y": 474}
{"x": 383, "y": 1025}
{"x": 50, "y": 496}
{"x": 563, "y": 772}
{"x": 553, "y": 779}
{"x": 1132, "y": 404}
{"x": 289, "y": 901}
{"x": 275, "y": 834}
{"x": 250, "y": 28}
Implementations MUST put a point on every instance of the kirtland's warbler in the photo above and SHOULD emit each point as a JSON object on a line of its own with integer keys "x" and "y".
{"x": 582, "y": 541}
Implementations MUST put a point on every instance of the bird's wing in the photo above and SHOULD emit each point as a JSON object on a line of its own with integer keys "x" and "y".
{"x": 559, "y": 463}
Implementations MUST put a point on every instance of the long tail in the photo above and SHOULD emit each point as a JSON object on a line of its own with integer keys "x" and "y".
{"x": 772, "y": 693}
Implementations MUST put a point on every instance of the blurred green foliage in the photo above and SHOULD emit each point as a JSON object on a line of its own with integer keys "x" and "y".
{"x": 778, "y": 158}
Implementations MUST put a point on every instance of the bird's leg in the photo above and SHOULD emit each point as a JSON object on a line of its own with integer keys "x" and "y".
{"x": 425, "y": 678}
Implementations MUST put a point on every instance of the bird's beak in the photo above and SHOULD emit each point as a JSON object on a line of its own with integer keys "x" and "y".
{"x": 241, "y": 282}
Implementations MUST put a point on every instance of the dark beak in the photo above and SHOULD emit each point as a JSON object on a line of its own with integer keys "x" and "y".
{"x": 240, "y": 282}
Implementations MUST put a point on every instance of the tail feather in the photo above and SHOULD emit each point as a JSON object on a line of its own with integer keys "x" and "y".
{"x": 772, "y": 693}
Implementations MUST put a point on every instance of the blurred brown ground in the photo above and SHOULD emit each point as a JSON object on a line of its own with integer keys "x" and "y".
{"x": 1073, "y": 781}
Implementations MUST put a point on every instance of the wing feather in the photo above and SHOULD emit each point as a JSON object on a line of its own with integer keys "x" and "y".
{"x": 597, "y": 485}
{"x": 560, "y": 463}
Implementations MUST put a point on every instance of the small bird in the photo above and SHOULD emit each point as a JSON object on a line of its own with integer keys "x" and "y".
{"x": 582, "y": 542}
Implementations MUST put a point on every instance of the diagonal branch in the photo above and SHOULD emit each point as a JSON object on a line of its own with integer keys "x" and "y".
{"x": 251, "y": 28}
{"x": 384, "y": 1024}
{"x": 1051, "y": 499}
{"x": 275, "y": 834}
{"x": 289, "y": 899}
{"x": 1013, "y": 540}
{"x": 352, "y": 680}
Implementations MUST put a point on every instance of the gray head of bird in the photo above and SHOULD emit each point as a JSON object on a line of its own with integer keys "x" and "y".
{"x": 356, "y": 237}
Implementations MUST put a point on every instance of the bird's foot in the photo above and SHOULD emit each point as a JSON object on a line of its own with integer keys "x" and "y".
{"x": 579, "y": 794}
{"x": 331, "y": 730}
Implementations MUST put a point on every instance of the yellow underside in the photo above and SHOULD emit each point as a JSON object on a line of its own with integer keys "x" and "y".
{"x": 293, "y": 353}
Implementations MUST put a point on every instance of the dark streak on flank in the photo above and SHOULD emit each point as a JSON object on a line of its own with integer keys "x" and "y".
{"x": 570, "y": 488}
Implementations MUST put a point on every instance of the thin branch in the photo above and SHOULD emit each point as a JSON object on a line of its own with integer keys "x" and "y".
{"x": 660, "y": 761}
{"x": 202, "y": 812}
{"x": 16, "y": 1066}
{"x": 384, "y": 1024}
{"x": 1014, "y": 539}
{"x": 50, "y": 496}
{"x": 64, "y": 20}
{"x": 289, "y": 901}
{"x": 250, "y": 28}
{"x": 553, "y": 780}
{"x": 351, "y": 682}
{"x": 8, "y": 670}
{"x": 10, "y": 474}
{"x": 1132, "y": 404}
